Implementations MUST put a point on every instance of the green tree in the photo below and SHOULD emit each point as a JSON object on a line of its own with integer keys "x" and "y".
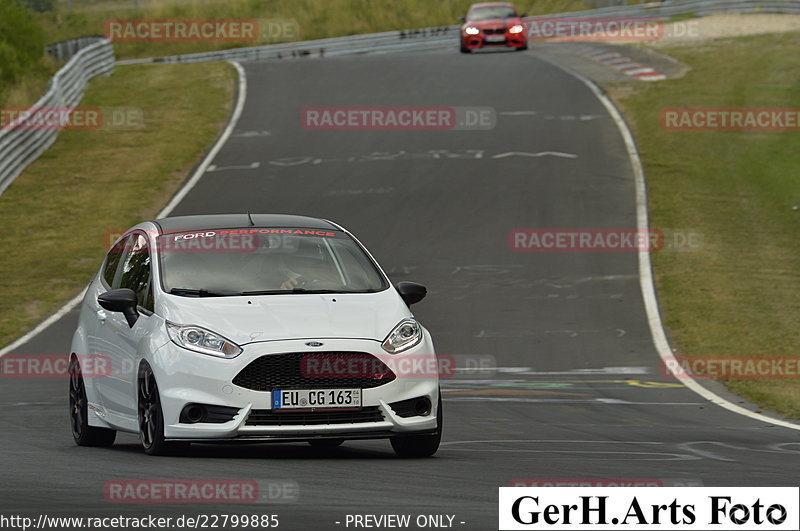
{"x": 21, "y": 41}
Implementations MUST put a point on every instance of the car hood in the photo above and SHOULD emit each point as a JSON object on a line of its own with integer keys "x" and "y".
{"x": 292, "y": 316}
{"x": 494, "y": 22}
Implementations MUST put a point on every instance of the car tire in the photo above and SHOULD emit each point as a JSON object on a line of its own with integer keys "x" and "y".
{"x": 464, "y": 49}
{"x": 326, "y": 443}
{"x": 82, "y": 433}
{"x": 420, "y": 445}
{"x": 151, "y": 417}
{"x": 522, "y": 48}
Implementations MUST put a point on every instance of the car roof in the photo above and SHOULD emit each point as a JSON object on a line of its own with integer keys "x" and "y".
{"x": 492, "y": 4}
{"x": 236, "y": 221}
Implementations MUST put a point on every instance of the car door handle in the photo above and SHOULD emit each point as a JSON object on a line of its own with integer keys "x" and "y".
{"x": 101, "y": 316}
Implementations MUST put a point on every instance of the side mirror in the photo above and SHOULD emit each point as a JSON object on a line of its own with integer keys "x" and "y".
{"x": 121, "y": 300}
{"x": 523, "y": 15}
{"x": 411, "y": 292}
{"x": 462, "y": 18}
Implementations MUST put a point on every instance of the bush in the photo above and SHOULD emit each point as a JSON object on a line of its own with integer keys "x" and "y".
{"x": 21, "y": 41}
{"x": 39, "y": 5}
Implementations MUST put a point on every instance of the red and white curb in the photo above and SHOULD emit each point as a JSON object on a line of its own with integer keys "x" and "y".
{"x": 623, "y": 64}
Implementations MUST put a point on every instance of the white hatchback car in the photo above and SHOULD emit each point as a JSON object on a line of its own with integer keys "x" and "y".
{"x": 251, "y": 328}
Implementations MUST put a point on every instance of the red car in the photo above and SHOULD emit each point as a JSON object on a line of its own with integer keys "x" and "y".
{"x": 493, "y": 24}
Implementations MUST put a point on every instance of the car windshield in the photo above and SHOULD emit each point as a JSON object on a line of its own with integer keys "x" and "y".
{"x": 489, "y": 12}
{"x": 251, "y": 261}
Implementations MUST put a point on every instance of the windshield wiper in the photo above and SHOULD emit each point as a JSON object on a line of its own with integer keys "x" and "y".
{"x": 203, "y": 292}
{"x": 289, "y": 291}
{"x": 303, "y": 291}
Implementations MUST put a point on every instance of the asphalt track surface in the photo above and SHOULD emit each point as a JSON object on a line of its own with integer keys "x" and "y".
{"x": 579, "y": 392}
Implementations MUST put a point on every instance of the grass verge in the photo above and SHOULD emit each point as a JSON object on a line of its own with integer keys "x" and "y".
{"x": 738, "y": 295}
{"x": 91, "y": 182}
{"x": 29, "y": 87}
{"x": 316, "y": 19}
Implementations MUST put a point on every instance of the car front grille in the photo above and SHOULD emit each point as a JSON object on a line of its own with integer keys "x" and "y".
{"x": 295, "y": 370}
{"x": 498, "y": 31}
{"x": 266, "y": 417}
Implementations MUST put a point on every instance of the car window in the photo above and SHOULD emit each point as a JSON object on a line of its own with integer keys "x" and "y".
{"x": 355, "y": 266}
{"x": 231, "y": 262}
{"x": 490, "y": 12}
{"x": 135, "y": 271}
{"x": 112, "y": 261}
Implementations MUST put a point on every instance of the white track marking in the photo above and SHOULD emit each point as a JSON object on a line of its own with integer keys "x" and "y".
{"x": 72, "y": 303}
{"x": 604, "y": 56}
{"x": 577, "y": 372}
{"x": 570, "y": 441}
{"x": 645, "y": 268}
{"x": 595, "y": 401}
{"x": 250, "y": 134}
{"x": 201, "y": 169}
{"x": 655, "y": 76}
{"x": 601, "y": 455}
{"x": 623, "y": 64}
{"x": 38, "y": 329}
{"x": 642, "y": 70}
{"x": 251, "y": 166}
{"x": 540, "y": 154}
{"x": 495, "y": 369}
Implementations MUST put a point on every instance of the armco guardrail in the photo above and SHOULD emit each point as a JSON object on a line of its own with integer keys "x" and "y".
{"x": 63, "y": 50}
{"x": 435, "y": 38}
{"x": 21, "y": 144}
{"x": 390, "y": 41}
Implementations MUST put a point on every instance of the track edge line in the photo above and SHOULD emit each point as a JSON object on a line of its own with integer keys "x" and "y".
{"x": 646, "y": 282}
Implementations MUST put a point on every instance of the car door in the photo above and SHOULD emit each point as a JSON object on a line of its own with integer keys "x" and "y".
{"x": 134, "y": 272}
{"x": 100, "y": 340}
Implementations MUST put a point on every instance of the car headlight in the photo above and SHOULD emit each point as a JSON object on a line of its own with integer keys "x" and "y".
{"x": 517, "y": 28}
{"x": 201, "y": 340}
{"x": 471, "y": 30}
{"x": 404, "y": 336}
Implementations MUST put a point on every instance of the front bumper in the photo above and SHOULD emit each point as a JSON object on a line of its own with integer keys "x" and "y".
{"x": 510, "y": 40}
{"x": 185, "y": 377}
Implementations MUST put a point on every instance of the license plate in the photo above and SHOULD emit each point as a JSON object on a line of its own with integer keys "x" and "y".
{"x": 495, "y": 38}
{"x": 315, "y": 398}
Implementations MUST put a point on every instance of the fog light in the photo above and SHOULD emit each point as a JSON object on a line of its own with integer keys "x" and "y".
{"x": 192, "y": 414}
{"x": 422, "y": 406}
